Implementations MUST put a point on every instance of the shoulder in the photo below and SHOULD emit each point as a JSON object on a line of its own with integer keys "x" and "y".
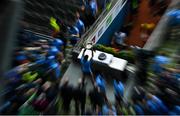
{"x": 81, "y": 22}
{"x": 123, "y": 34}
{"x": 76, "y": 29}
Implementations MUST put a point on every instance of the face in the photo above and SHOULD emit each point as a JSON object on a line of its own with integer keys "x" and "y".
{"x": 82, "y": 8}
{"x": 77, "y": 14}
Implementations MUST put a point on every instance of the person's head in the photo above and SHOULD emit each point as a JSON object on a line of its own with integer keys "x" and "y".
{"x": 120, "y": 32}
{"x": 72, "y": 22}
{"x": 149, "y": 95}
{"x": 38, "y": 81}
{"x": 143, "y": 26}
{"x": 82, "y": 8}
{"x": 60, "y": 56}
{"x": 30, "y": 91}
{"x": 46, "y": 85}
{"x": 86, "y": 58}
{"x": 77, "y": 15}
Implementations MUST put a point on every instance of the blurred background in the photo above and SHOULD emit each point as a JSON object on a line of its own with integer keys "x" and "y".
{"x": 89, "y": 57}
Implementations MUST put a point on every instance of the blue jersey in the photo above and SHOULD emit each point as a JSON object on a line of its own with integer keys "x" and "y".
{"x": 160, "y": 105}
{"x": 175, "y": 16}
{"x": 152, "y": 107}
{"x": 119, "y": 88}
{"x": 54, "y": 65}
{"x": 175, "y": 111}
{"x": 58, "y": 43}
{"x": 93, "y": 6}
{"x": 13, "y": 74}
{"x": 86, "y": 65}
{"x": 80, "y": 26}
{"x": 56, "y": 69}
{"x": 138, "y": 109}
{"x": 106, "y": 110}
{"x": 100, "y": 82}
{"x": 74, "y": 31}
{"x": 156, "y": 106}
{"x": 160, "y": 60}
{"x": 20, "y": 57}
{"x": 53, "y": 51}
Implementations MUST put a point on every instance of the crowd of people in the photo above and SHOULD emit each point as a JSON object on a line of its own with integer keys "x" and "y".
{"x": 85, "y": 16}
{"x": 99, "y": 103}
{"x": 34, "y": 85}
{"x": 145, "y": 100}
{"x": 160, "y": 92}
